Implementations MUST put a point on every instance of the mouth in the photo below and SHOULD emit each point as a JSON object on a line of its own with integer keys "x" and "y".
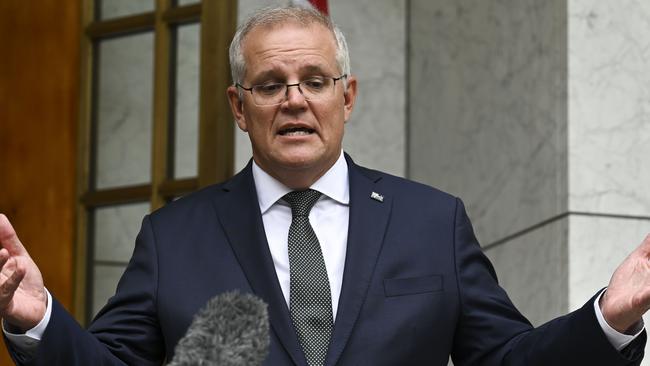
{"x": 296, "y": 131}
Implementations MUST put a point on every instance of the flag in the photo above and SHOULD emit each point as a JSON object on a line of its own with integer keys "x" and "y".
{"x": 321, "y": 5}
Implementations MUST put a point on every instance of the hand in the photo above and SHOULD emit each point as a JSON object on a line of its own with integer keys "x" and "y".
{"x": 23, "y": 300}
{"x": 628, "y": 295}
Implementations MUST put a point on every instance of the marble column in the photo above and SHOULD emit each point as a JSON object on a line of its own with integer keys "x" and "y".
{"x": 537, "y": 114}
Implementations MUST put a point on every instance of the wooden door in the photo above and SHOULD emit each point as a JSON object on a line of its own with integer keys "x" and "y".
{"x": 39, "y": 94}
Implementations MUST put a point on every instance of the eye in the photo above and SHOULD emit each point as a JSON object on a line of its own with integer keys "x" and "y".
{"x": 315, "y": 83}
{"x": 268, "y": 89}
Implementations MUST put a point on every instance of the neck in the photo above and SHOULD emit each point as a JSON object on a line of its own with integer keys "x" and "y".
{"x": 298, "y": 179}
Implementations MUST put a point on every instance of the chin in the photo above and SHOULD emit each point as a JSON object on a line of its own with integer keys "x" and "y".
{"x": 301, "y": 157}
{"x": 299, "y": 163}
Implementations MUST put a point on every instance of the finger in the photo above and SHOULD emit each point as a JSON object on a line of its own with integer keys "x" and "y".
{"x": 10, "y": 285}
{"x": 4, "y": 257}
{"x": 9, "y": 239}
{"x": 4, "y": 254}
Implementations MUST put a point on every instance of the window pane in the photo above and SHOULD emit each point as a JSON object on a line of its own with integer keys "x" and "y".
{"x": 123, "y": 116}
{"x": 105, "y": 279}
{"x": 187, "y": 2}
{"x": 118, "y": 8}
{"x": 115, "y": 230}
{"x": 186, "y": 137}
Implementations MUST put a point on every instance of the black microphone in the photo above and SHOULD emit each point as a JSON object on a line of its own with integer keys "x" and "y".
{"x": 232, "y": 329}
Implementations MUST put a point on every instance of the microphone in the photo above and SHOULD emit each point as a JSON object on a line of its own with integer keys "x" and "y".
{"x": 232, "y": 329}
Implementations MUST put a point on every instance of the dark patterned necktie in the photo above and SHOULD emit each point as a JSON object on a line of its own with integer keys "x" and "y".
{"x": 310, "y": 300}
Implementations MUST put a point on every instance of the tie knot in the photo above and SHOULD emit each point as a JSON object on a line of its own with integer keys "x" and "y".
{"x": 301, "y": 202}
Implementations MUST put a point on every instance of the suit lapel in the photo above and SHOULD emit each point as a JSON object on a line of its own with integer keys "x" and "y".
{"x": 368, "y": 221}
{"x": 241, "y": 220}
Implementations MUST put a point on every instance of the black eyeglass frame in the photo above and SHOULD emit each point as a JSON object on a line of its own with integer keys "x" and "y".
{"x": 286, "y": 90}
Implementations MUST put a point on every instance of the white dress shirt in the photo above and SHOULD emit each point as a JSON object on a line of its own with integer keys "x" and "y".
{"x": 329, "y": 217}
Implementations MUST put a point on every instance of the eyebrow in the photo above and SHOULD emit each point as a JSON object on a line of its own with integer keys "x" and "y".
{"x": 275, "y": 73}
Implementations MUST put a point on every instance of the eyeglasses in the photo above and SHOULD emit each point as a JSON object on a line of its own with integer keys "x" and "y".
{"x": 314, "y": 88}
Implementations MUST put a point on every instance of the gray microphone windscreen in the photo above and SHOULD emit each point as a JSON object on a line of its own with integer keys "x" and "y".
{"x": 232, "y": 329}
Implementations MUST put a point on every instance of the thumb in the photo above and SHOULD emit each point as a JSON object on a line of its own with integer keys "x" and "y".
{"x": 9, "y": 239}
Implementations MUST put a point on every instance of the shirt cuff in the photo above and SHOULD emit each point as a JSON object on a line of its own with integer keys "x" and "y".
{"x": 617, "y": 339}
{"x": 27, "y": 343}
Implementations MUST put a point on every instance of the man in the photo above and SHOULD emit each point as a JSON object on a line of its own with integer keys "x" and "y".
{"x": 357, "y": 267}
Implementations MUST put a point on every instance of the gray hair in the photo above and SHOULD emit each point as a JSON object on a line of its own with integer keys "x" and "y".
{"x": 269, "y": 17}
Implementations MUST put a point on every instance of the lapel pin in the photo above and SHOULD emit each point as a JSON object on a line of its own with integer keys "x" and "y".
{"x": 377, "y": 197}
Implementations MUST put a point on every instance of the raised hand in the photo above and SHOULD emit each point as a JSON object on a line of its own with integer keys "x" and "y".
{"x": 628, "y": 296}
{"x": 23, "y": 300}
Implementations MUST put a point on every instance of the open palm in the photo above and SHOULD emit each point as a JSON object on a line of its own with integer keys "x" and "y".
{"x": 22, "y": 295}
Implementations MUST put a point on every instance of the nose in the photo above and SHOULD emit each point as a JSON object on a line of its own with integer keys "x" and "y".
{"x": 294, "y": 96}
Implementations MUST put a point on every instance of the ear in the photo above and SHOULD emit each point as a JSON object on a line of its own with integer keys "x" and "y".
{"x": 350, "y": 96}
{"x": 237, "y": 107}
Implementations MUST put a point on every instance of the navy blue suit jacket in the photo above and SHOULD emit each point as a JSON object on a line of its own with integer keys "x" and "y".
{"x": 416, "y": 288}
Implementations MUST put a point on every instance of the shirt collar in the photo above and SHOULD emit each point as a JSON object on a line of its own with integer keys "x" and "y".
{"x": 333, "y": 184}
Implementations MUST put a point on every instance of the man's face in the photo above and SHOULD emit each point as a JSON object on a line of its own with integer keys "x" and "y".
{"x": 296, "y": 137}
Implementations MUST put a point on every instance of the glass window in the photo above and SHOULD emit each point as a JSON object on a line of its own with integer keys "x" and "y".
{"x": 187, "y": 2}
{"x": 105, "y": 279}
{"x": 140, "y": 92}
{"x": 116, "y": 228}
{"x": 186, "y": 118}
{"x": 106, "y": 9}
{"x": 123, "y": 113}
